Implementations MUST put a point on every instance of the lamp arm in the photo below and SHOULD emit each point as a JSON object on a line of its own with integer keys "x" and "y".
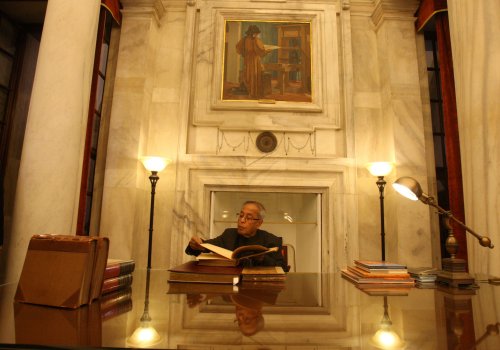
{"x": 429, "y": 200}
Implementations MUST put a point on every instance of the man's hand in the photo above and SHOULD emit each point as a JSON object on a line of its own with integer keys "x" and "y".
{"x": 195, "y": 242}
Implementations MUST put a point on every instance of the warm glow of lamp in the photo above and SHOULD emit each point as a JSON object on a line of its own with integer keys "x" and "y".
{"x": 386, "y": 338}
{"x": 144, "y": 336}
{"x": 155, "y": 164}
{"x": 379, "y": 168}
{"x": 408, "y": 187}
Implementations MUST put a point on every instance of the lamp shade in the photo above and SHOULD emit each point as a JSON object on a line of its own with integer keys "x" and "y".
{"x": 155, "y": 163}
{"x": 379, "y": 168}
{"x": 408, "y": 187}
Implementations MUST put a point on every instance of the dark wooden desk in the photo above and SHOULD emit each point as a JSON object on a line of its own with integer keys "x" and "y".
{"x": 312, "y": 311}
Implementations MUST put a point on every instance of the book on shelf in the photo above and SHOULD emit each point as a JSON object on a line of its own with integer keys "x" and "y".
{"x": 192, "y": 272}
{"x": 375, "y": 274}
{"x": 380, "y": 266}
{"x": 219, "y": 256}
{"x": 118, "y": 267}
{"x": 263, "y": 274}
{"x": 384, "y": 281}
{"x": 116, "y": 283}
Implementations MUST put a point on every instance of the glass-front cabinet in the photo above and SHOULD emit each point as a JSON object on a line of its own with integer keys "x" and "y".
{"x": 294, "y": 216}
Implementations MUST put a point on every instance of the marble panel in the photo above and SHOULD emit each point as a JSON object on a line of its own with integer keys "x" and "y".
{"x": 193, "y": 210}
{"x": 207, "y": 106}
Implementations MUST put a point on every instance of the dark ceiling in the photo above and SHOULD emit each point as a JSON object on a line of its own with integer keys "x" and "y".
{"x": 24, "y": 11}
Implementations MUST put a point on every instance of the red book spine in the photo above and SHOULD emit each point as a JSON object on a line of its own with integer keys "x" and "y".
{"x": 116, "y": 283}
{"x": 118, "y": 268}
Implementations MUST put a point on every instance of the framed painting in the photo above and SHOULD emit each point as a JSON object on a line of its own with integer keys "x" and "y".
{"x": 267, "y": 60}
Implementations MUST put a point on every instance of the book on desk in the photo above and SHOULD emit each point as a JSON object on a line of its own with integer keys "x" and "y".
{"x": 379, "y": 277}
{"x": 63, "y": 270}
{"x": 194, "y": 272}
{"x": 218, "y": 256}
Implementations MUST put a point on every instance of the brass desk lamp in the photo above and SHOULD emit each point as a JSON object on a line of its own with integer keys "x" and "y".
{"x": 454, "y": 271}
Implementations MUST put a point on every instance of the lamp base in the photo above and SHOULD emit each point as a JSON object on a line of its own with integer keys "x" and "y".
{"x": 454, "y": 273}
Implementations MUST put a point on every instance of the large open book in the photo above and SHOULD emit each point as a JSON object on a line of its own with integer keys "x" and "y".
{"x": 219, "y": 256}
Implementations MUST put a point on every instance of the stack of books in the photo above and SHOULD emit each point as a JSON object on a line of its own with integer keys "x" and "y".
{"x": 425, "y": 277}
{"x": 379, "y": 277}
{"x": 194, "y": 272}
{"x": 116, "y": 293}
{"x": 117, "y": 275}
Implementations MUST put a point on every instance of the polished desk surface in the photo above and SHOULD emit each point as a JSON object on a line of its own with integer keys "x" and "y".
{"x": 311, "y": 311}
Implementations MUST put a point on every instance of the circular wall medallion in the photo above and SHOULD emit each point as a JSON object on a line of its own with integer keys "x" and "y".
{"x": 266, "y": 142}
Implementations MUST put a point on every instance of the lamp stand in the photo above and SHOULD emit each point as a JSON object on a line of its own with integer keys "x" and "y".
{"x": 153, "y": 179}
{"x": 454, "y": 271}
{"x": 381, "y": 185}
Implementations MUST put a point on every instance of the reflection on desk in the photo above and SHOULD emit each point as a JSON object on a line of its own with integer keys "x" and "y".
{"x": 313, "y": 311}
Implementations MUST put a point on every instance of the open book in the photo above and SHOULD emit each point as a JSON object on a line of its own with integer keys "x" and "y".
{"x": 219, "y": 256}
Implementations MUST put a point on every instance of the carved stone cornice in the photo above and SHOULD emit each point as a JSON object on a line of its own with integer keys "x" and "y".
{"x": 154, "y": 8}
{"x": 394, "y": 9}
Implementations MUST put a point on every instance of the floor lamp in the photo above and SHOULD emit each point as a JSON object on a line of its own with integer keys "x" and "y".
{"x": 154, "y": 165}
{"x": 454, "y": 271}
{"x": 381, "y": 169}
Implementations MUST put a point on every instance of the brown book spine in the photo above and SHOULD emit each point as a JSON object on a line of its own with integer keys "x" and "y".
{"x": 116, "y": 283}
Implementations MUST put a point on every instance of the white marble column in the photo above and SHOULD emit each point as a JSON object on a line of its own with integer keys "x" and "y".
{"x": 50, "y": 171}
{"x": 401, "y": 133}
{"x": 475, "y": 29}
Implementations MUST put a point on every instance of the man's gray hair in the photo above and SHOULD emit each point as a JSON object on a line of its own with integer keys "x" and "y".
{"x": 259, "y": 205}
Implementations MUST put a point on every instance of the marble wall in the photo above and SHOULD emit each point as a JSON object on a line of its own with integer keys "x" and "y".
{"x": 166, "y": 103}
{"x": 366, "y": 105}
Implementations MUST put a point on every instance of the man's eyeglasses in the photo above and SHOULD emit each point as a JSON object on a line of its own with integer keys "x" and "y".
{"x": 248, "y": 217}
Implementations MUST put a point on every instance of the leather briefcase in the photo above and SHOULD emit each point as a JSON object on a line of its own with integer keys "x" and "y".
{"x": 63, "y": 270}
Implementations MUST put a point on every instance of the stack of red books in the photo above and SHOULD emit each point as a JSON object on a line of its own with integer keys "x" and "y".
{"x": 116, "y": 294}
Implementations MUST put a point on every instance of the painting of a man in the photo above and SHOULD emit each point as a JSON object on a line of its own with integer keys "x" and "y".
{"x": 251, "y": 48}
{"x": 267, "y": 60}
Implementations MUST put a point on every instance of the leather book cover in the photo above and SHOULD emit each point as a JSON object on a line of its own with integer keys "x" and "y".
{"x": 49, "y": 326}
{"x": 118, "y": 267}
{"x": 117, "y": 283}
{"x": 61, "y": 270}
{"x": 100, "y": 261}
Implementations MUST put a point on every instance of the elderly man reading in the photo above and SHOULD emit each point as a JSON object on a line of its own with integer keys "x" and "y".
{"x": 250, "y": 219}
